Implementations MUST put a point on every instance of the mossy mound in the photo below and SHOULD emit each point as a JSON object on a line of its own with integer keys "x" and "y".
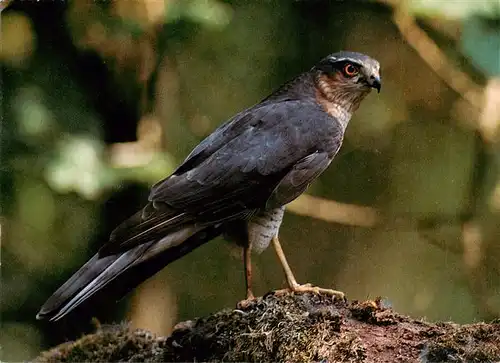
{"x": 292, "y": 327}
{"x": 274, "y": 328}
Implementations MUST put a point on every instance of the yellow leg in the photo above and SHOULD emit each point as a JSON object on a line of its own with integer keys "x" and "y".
{"x": 292, "y": 283}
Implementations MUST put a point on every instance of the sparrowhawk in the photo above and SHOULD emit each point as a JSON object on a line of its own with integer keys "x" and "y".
{"x": 235, "y": 183}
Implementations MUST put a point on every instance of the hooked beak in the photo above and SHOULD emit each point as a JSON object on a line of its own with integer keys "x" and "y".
{"x": 375, "y": 82}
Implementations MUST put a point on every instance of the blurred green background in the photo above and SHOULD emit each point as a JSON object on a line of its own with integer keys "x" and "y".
{"x": 103, "y": 98}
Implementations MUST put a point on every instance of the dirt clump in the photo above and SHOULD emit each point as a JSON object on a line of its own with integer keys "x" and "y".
{"x": 293, "y": 327}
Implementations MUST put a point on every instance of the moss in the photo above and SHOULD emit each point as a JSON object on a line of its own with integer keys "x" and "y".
{"x": 289, "y": 327}
{"x": 373, "y": 312}
{"x": 108, "y": 344}
{"x": 470, "y": 343}
{"x": 272, "y": 328}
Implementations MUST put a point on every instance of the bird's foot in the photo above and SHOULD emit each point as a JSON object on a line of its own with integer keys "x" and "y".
{"x": 247, "y": 302}
{"x": 297, "y": 288}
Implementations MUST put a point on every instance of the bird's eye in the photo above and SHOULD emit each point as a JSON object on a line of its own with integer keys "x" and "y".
{"x": 350, "y": 70}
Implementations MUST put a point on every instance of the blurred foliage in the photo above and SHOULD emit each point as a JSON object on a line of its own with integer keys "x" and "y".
{"x": 481, "y": 42}
{"x": 480, "y": 39}
{"x": 455, "y": 8}
{"x": 210, "y": 13}
{"x": 102, "y": 99}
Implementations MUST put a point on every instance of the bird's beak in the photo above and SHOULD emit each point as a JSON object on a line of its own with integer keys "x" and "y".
{"x": 376, "y": 83}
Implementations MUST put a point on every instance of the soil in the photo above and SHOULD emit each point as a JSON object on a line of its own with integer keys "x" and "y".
{"x": 292, "y": 327}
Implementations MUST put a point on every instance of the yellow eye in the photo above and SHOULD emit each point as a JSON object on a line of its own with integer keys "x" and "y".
{"x": 350, "y": 70}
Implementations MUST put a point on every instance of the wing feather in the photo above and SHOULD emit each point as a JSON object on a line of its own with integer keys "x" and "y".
{"x": 254, "y": 153}
{"x": 298, "y": 179}
{"x": 270, "y": 151}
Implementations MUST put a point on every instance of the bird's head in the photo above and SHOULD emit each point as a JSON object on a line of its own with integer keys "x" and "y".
{"x": 343, "y": 79}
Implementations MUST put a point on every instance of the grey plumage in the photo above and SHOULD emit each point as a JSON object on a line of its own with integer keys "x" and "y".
{"x": 235, "y": 182}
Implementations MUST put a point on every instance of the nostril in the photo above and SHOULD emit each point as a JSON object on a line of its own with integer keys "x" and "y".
{"x": 372, "y": 77}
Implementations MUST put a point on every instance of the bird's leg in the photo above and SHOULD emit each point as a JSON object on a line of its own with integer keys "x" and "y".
{"x": 292, "y": 283}
{"x": 247, "y": 257}
{"x": 247, "y": 262}
{"x": 284, "y": 263}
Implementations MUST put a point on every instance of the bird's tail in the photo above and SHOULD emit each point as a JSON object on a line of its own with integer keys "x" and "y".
{"x": 112, "y": 276}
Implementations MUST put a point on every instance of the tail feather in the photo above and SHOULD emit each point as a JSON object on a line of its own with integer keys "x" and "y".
{"x": 85, "y": 274}
{"x": 110, "y": 277}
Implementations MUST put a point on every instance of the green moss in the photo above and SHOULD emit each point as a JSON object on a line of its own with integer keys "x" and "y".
{"x": 469, "y": 343}
{"x": 290, "y": 327}
{"x": 108, "y": 344}
{"x": 274, "y": 328}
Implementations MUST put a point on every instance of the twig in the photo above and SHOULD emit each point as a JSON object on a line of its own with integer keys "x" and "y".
{"x": 473, "y": 256}
{"x": 331, "y": 211}
{"x": 4, "y": 4}
{"x": 489, "y": 122}
{"x": 435, "y": 58}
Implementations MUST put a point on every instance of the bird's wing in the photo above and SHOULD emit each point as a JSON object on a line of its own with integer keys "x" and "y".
{"x": 151, "y": 223}
{"x": 298, "y": 178}
{"x": 238, "y": 168}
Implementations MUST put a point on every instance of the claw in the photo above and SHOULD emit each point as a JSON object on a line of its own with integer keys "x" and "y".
{"x": 246, "y": 303}
{"x": 312, "y": 289}
{"x": 294, "y": 286}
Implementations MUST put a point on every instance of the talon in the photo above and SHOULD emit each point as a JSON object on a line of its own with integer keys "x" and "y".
{"x": 312, "y": 289}
{"x": 318, "y": 290}
{"x": 246, "y": 303}
{"x": 294, "y": 286}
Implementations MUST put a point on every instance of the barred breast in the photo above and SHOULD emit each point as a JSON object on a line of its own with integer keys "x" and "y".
{"x": 263, "y": 226}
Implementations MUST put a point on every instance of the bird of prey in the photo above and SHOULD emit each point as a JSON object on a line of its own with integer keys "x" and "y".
{"x": 235, "y": 183}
